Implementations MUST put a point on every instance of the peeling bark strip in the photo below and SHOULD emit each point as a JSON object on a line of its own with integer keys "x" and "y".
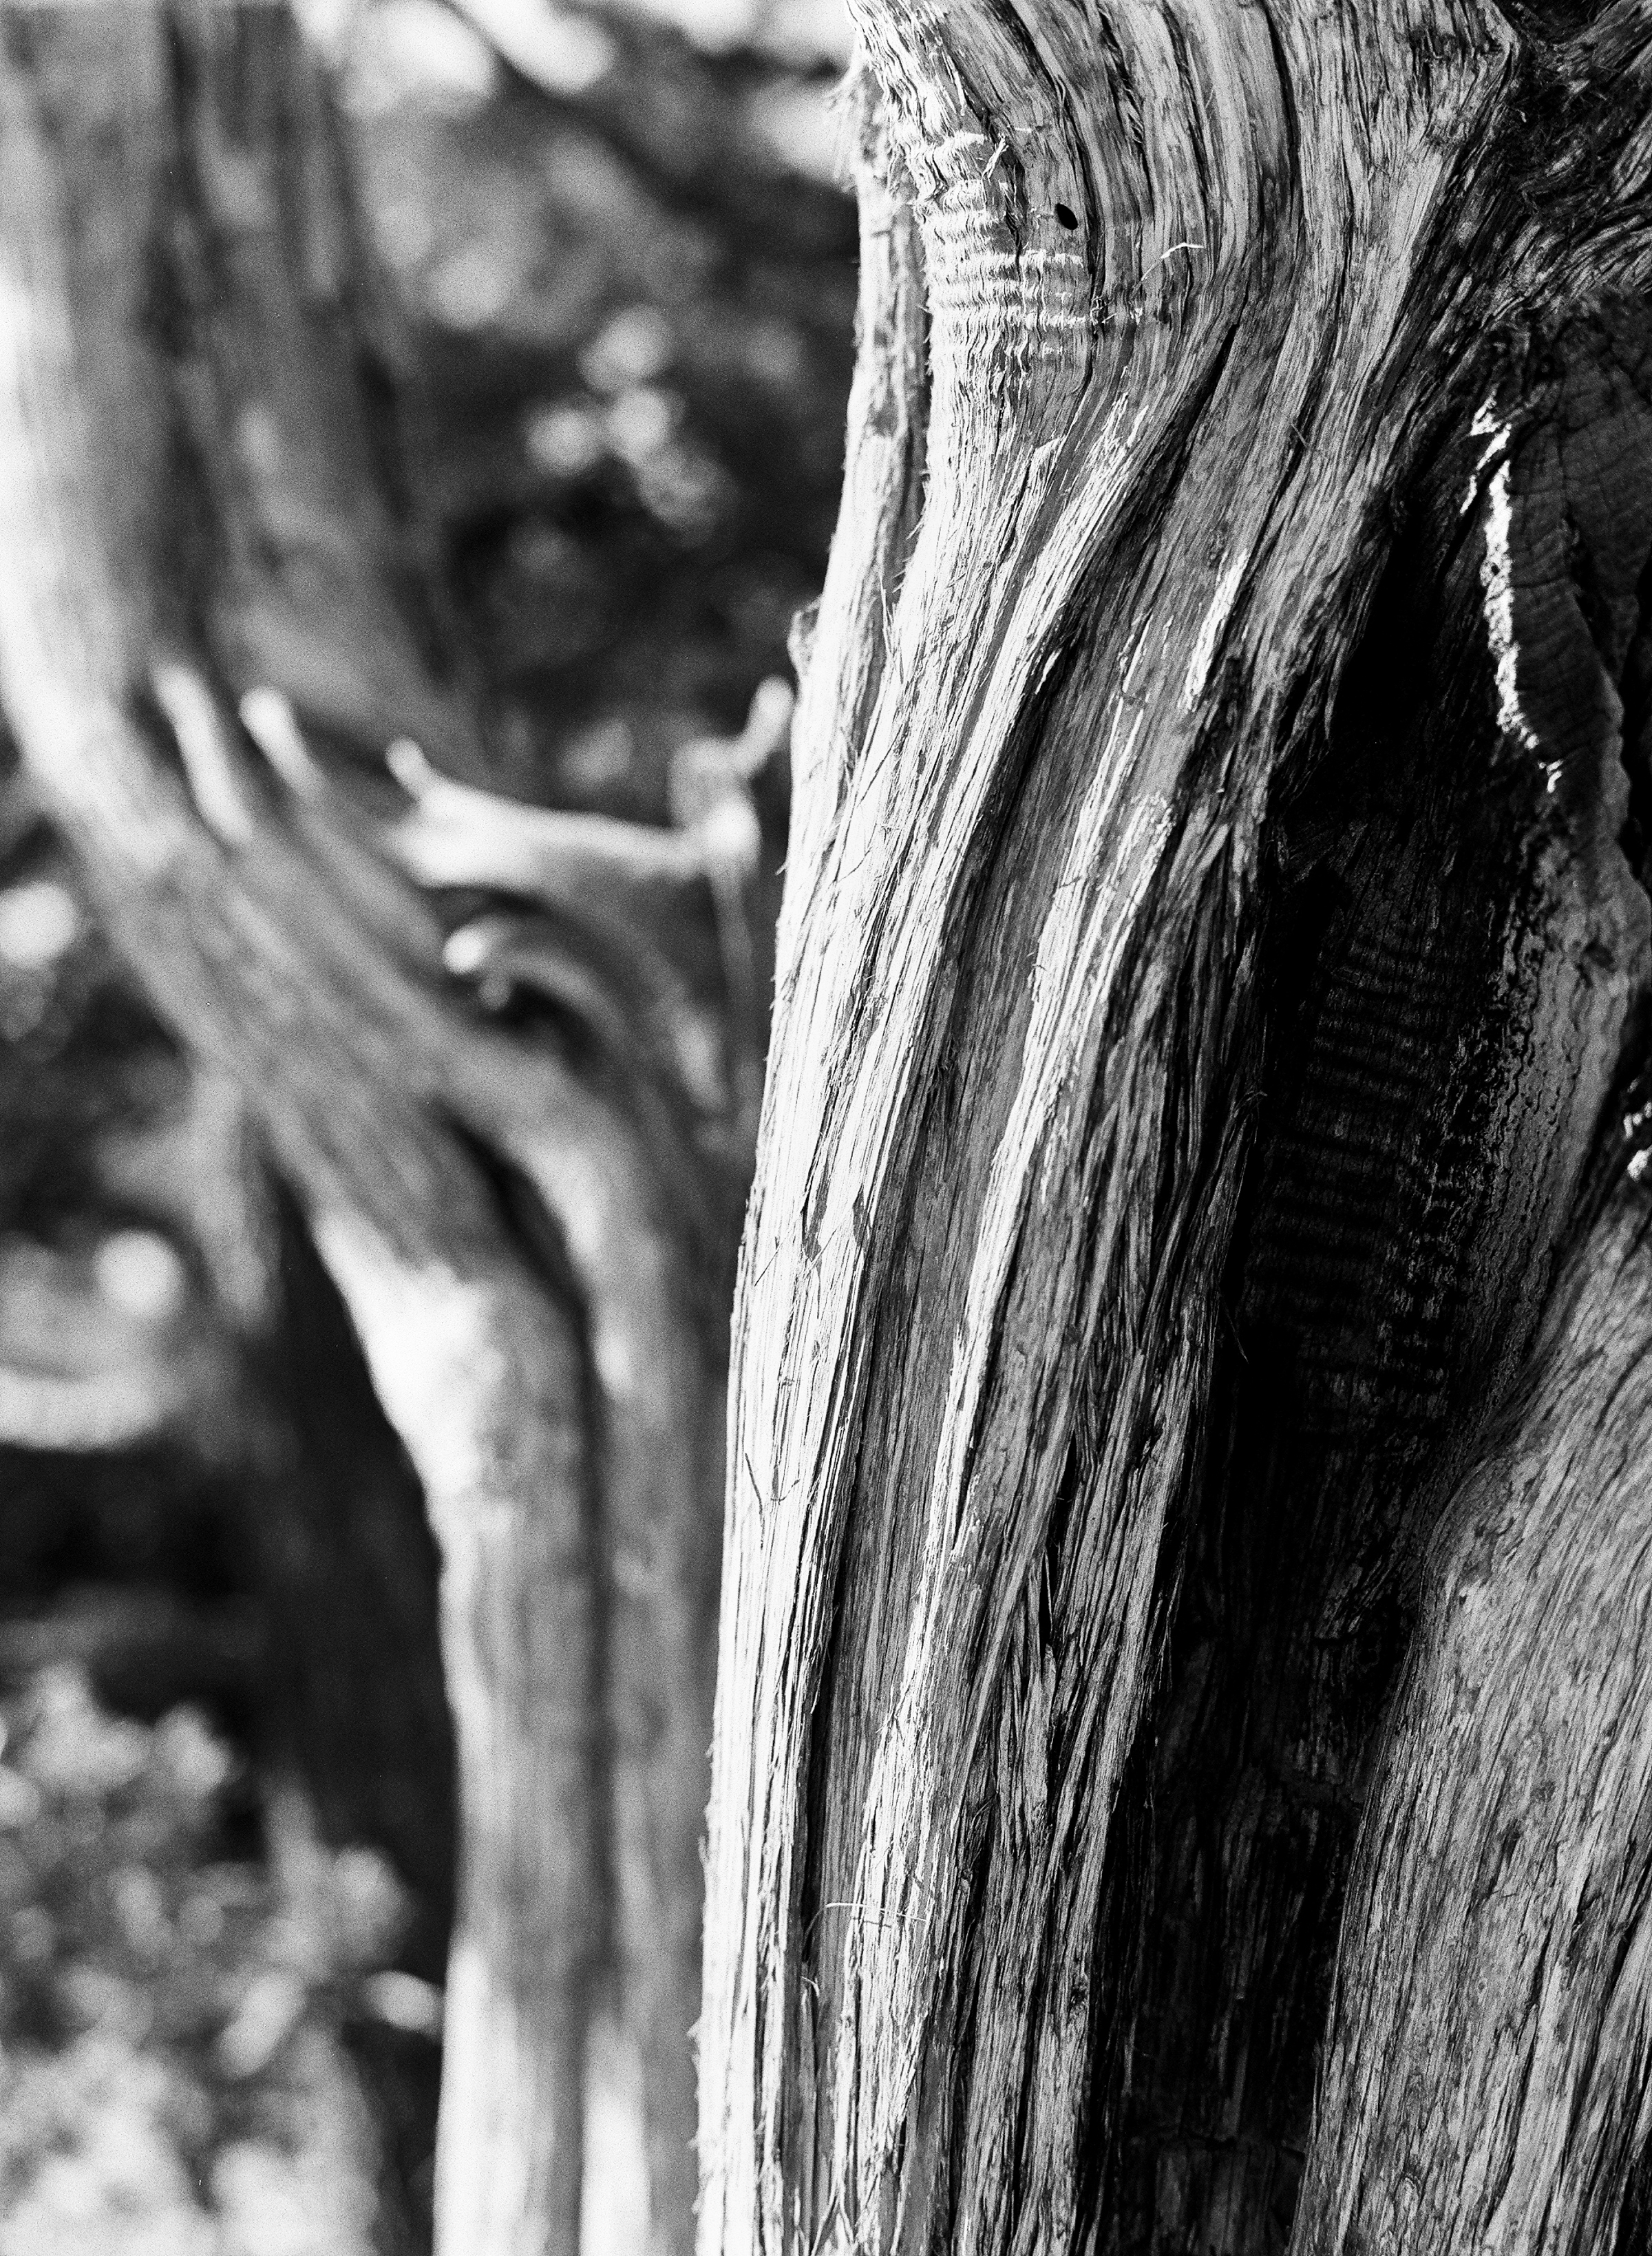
{"x": 1218, "y": 922}
{"x": 198, "y": 522}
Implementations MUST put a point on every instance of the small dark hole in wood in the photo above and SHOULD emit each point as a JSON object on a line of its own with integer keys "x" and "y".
{"x": 1066, "y": 216}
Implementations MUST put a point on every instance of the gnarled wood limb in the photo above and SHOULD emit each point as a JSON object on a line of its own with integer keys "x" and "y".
{"x": 1201, "y": 951}
{"x": 187, "y": 438}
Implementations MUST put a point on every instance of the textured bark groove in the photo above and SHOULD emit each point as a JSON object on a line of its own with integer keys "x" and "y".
{"x": 1199, "y": 998}
{"x": 1451, "y": 981}
{"x": 1501, "y": 2121}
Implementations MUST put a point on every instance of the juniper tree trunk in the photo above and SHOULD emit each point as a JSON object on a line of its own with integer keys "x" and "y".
{"x": 212, "y": 546}
{"x": 1181, "y": 1774}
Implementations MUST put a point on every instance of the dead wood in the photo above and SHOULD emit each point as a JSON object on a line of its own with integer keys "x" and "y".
{"x": 218, "y": 604}
{"x": 1216, "y": 942}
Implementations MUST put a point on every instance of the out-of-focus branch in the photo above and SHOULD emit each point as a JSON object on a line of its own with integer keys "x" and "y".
{"x": 632, "y": 887}
{"x": 159, "y": 619}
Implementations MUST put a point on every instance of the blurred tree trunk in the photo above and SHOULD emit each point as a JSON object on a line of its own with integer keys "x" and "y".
{"x": 1184, "y": 1621}
{"x": 214, "y": 609}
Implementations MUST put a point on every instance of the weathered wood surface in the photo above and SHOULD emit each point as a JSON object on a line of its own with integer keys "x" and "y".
{"x": 1215, "y": 934}
{"x": 1489, "y": 2079}
{"x": 197, "y": 463}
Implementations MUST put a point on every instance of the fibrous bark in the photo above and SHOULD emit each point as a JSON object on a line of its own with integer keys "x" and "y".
{"x": 1214, "y": 951}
